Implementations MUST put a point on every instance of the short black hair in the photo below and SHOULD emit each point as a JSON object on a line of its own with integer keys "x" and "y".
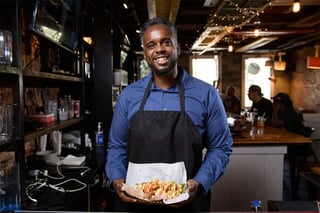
{"x": 156, "y": 21}
{"x": 255, "y": 88}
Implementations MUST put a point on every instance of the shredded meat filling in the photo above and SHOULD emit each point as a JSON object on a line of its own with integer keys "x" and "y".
{"x": 156, "y": 188}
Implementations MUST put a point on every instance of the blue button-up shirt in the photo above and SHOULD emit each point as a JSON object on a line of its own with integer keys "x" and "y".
{"x": 204, "y": 106}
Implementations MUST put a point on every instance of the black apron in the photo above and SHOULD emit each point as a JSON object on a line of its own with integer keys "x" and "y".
{"x": 165, "y": 137}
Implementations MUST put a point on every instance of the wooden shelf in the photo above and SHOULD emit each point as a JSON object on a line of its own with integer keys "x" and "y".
{"x": 48, "y": 128}
{"x": 52, "y": 76}
{"x": 9, "y": 70}
{"x": 10, "y": 141}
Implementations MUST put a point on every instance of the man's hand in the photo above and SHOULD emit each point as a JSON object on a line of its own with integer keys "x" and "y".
{"x": 192, "y": 188}
{"x": 117, "y": 185}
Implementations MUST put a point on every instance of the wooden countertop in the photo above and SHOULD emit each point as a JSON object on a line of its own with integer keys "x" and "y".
{"x": 267, "y": 136}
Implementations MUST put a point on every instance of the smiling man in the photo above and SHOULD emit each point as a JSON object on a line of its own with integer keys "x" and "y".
{"x": 168, "y": 117}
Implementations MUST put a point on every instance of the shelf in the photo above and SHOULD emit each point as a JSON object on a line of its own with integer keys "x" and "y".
{"x": 9, "y": 70}
{"x": 48, "y": 128}
{"x": 10, "y": 141}
{"x": 52, "y": 76}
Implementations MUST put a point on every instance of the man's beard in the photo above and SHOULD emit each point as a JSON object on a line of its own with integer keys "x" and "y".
{"x": 163, "y": 72}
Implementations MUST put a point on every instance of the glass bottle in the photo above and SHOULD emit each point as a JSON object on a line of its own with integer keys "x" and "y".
{"x": 70, "y": 107}
{"x": 256, "y": 206}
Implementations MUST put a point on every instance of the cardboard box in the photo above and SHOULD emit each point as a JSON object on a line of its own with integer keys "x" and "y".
{"x": 48, "y": 118}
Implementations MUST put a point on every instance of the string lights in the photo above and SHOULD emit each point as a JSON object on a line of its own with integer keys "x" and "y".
{"x": 231, "y": 15}
{"x": 236, "y": 18}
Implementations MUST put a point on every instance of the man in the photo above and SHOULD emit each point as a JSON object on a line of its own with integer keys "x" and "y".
{"x": 231, "y": 101}
{"x": 168, "y": 117}
{"x": 260, "y": 105}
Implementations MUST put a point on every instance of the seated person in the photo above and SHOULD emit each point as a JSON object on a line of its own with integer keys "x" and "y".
{"x": 231, "y": 102}
{"x": 260, "y": 105}
{"x": 286, "y": 117}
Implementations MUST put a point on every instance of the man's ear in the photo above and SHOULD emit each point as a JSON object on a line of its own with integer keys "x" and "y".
{"x": 144, "y": 55}
{"x": 179, "y": 49}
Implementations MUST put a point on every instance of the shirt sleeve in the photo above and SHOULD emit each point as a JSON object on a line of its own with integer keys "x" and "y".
{"x": 219, "y": 144}
{"x": 116, "y": 158}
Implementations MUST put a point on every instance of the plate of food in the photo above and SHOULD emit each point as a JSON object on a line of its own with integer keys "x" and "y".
{"x": 157, "y": 183}
{"x": 168, "y": 192}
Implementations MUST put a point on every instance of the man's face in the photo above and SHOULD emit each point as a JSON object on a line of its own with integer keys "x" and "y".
{"x": 160, "y": 49}
{"x": 251, "y": 95}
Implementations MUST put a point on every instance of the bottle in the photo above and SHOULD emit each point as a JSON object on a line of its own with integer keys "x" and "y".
{"x": 99, "y": 135}
{"x": 255, "y": 206}
{"x": 87, "y": 70}
{"x": 87, "y": 141}
{"x": 70, "y": 104}
{"x": 76, "y": 106}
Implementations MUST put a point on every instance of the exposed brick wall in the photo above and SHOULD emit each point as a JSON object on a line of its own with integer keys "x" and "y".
{"x": 305, "y": 83}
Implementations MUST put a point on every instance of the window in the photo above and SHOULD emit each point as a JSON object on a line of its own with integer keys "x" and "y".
{"x": 206, "y": 68}
{"x": 256, "y": 72}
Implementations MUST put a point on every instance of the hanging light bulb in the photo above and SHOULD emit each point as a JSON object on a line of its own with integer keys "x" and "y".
{"x": 230, "y": 48}
{"x": 125, "y": 5}
{"x": 257, "y": 22}
{"x": 296, "y": 6}
{"x": 256, "y": 32}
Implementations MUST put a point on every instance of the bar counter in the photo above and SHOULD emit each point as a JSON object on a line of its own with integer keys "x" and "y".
{"x": 255, "y": 170}
{"x": 268, "y": 136}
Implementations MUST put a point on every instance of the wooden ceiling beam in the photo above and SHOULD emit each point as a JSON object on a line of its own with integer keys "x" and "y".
{"x": 166, "y": 9}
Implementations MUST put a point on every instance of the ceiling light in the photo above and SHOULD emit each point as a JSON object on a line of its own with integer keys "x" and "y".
{"x": 296, "y": 6}
{"x": 256, "y": 32}
{"x": 87, "y": 40}
{"x": 257, "y": 23}
{"x": 314, "y": 62}
{"x": 230, "y": 48}
{"x": 280, "y": 65}
{"x": 125, "y": 6}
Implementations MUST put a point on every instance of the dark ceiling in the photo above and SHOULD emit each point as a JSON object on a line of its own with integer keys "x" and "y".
{"x": 225, "y": 22}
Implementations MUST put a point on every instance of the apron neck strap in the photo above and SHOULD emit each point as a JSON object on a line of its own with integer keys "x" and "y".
{"x": 180, "y": 88}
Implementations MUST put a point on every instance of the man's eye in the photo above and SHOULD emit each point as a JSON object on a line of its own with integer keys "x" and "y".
{"x": 151, "y": 46}
{"x": 167, "y": 43}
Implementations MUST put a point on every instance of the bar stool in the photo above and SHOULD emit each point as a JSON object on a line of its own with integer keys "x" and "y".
{"x": 298, "y": 156}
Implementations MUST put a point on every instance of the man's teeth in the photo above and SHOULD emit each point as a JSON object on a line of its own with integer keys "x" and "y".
{"x": 162, "y": 59}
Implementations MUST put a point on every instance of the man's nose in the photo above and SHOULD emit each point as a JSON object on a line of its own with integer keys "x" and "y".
{"x": 159, "y": 47}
